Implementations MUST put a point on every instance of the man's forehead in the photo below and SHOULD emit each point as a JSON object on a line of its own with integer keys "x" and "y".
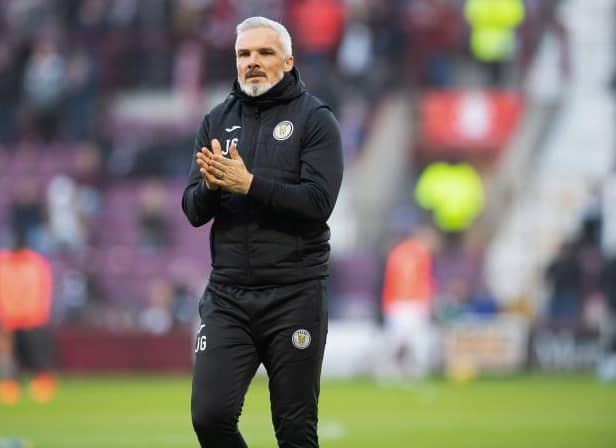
{"x": 255, "y": 38}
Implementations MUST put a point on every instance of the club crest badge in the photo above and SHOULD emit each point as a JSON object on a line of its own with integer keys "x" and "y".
{"x": 283, "y": 130}
{"x": 301, "y": 339}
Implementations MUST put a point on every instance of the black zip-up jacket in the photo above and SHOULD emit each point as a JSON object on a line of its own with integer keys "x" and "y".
{"x": 276, "y": 234}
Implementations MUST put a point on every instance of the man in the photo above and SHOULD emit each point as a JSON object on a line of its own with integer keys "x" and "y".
{"x": 25, "y": 304}
{"x": 407, "y": 294}
{"x": 267, "y": 167}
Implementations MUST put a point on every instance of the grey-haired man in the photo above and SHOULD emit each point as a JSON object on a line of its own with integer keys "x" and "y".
{"x": 267, "y": 168}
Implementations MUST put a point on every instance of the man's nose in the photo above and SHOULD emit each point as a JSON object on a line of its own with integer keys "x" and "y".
{"x": 253, "y": 61}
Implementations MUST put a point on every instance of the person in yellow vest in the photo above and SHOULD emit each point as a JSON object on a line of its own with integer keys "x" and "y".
{"x": 25, "y": 305}
{"x": 493, "y": 39}
{"x": 407, "y": 295}
{"x": 453, "y": 193}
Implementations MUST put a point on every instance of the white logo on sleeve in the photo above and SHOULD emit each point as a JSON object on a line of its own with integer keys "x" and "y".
{"x": 233, "y": 128}
{"x": 301, "y": 339}
{"x": 283, "y": 130}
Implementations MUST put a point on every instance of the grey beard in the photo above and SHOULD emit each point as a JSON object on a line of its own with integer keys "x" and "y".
{"x": 255, "y": 89}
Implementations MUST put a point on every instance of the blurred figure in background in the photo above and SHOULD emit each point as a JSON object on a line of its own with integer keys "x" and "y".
{"x": 45, "y": 88}
{"x": 318, "y": 26}
{"x": 493, "y": 34}
{"x": 564, "y": 274}
{"x": 436, "y": 31}
{"x": 157, "y": 317}
{"x": 25, "y": 304}
{"x": 82, "y": 84}
{"x": 9, "y": 93}
{"x": 407, "y": 295}
{"x": 461, "y": 292}
{"x": 27, "y": 211}
{"x": 153, "y": 221}
{"x": 67, "y": 226}
{"x": 607, "y": 366}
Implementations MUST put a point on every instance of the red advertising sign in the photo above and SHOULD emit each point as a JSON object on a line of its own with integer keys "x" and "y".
{"x": 468, "y": 120}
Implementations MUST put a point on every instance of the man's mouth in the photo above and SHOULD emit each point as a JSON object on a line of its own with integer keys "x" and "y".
{"x": 255, "y": 75}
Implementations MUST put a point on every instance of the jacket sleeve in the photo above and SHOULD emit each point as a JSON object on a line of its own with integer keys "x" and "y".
{"x": 198, "y": 202}
{"x": 320, "y": 177}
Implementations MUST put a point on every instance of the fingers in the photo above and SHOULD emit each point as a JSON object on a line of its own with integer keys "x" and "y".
{"x": 217, "y": 149}
{"x": 209, "y": 167}
{"x": 220, "y": 166}
{"x": 203, "y": 156}
{"x": 203, "y": 159}
{"x": 222, "y": 161}
{"x": 208, "y": 176}
{"x": 233, "y": 152}
{"x": 218, "y": 170}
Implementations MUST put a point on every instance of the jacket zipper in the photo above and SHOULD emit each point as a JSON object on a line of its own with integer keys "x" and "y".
{"x": 251, "y": 162}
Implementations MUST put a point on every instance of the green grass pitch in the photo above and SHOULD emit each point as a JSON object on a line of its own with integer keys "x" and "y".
{"x": 153, "y": 412}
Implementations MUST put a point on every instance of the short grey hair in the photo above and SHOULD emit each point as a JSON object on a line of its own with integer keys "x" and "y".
{"x": 264, "y": 22}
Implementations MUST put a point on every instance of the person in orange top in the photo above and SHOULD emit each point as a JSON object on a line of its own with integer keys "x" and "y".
{"x": 408, "y": 275}
{"x": 407, "y": 293}
{"x": 25, "y": 305}
{"x": 318, "y": 26}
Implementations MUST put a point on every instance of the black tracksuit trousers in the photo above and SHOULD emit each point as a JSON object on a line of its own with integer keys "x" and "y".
{"x": 285, "y": 329}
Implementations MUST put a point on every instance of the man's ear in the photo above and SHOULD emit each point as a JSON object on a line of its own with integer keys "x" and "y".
{"x": 288, "y": 64}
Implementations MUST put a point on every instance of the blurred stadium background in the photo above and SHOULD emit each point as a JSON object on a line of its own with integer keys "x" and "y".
{"x": 492, "y": 119}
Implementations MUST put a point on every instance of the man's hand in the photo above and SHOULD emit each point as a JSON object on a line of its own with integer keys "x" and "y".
{"x": 229, "y": 174}
{"x": 203, "y": 159}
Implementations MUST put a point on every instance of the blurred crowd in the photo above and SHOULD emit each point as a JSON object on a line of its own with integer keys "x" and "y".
{"x": 103, "y": 204}
{"x": 62, "y": 61}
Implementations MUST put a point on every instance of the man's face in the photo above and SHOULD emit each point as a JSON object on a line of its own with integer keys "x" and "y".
{"x": 260, "y": 60}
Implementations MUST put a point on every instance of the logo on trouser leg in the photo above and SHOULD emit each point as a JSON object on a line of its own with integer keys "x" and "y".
{"x": 201, "y": 340}
{"x": 301, "y": 339}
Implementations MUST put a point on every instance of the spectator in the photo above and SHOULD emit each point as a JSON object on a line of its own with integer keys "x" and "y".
{"x": 564, "y": 273}
{"x": 27, "y": 212}
{"x": 222, "y": 17}
{"x": 153, "y": 221}
{"x": 183, "y": 305}
{"x": 44, "y": 87}
{"x": 82, "y": 94}
{"x": 78, "y": 297}
{"x": 157, "y": 317}
{"x": 356, "y": 54}
{"x": 187, "y": 73}
{"x": 435, "y": 31}
{"x": 89, "y": 175}
{"x": 318, "y": 26}
{"x": 10, "y": 91}
{"x": 67, "y": 227}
